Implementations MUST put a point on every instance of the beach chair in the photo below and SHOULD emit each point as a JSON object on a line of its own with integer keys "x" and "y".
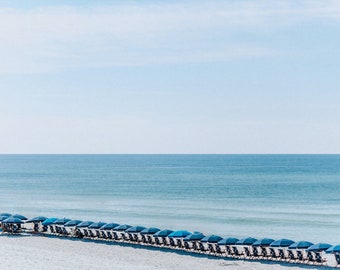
{"x": 273, "y": 255}
{"x": 109, "y": 235}
{"x": 130, "y": 237}
{"x": 52, "y": 229}
{"x": 187, "y": 246}
{"x": 195, "y": 246}
{"x": 144, "y": 239}
{"x": 337, "y": 258}
{"x": 218, "y": 250}
{"x": 179, "y": 243}
{"x": 236, "y": 252}
{"x": 310, "y": 258}
{"x": 299, "y": 256}
{"x": 157, "y": 242}
{"x": 282, "y": 255}
{"x": 211, "y": 248}
{"x": 115, "y": 236}
{"x": 103, "y": 235}
{"x": 255, "y": 252}
{"x": 165, "y": 241}
{"x": 264, "y": 253}
{"x": 91, "y": 234}
{"x": 63, "y": 231}
{"x": 98, "y": 234}
{"x": 201, "y": 247}
{"x": 172, "y": 242}
{"x": 247, "y": 253}
{"x": 229, "y": 251}
{"x": 291, "y": 256}
{"x": 319, "y": 259}
{"x": 86, "y": 233}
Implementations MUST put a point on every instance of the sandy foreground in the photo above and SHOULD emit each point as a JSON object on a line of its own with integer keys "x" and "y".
{"x": 38, "y": 252}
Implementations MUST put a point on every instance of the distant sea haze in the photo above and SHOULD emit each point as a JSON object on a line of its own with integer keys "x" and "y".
{"x": 276, "y": 196}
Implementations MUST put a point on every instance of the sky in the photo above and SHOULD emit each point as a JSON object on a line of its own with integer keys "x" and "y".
{"x": 214, "y": 77}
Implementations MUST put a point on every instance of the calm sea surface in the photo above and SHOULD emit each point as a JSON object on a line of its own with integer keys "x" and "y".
{"x": 290, "y": 196}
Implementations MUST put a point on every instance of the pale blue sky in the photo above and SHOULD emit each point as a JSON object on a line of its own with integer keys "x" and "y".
{"x": 170, "y": 77}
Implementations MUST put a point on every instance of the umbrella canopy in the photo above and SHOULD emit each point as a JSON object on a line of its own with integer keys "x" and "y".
{"x": 319, "y": 247}
{"x": 84, "y": 224}
{"x": 163, "y": 233}
{"x": 228, "y": 241}
{"x": 5, "y": 214}
{"x": 179, "y": 234}
{"x": 264, "y": 242}
{"x": 333, "y": 249}
{"x": 300, "y": 245}
{"x": 109, "y": 226}
{"x": 72, "y": 223}
{"x": 19, "y": 217}
{"x": 61, "y": 221}
{"x": 282, "y": 243}
{"x": 12, "y": 220}
{"x": 97, "y": 225}
{"x": 3, "y": 217}
{"x": 211, "y": 238}
{"x": 150, "y": 231}
{"x": 135, "y": 229}
{"x": 49, "y": 221}
{"x": 246, "y": 241}
{"x": 194, "y": 237}
{"x": 36, "y": 219}
{"x": 123, "y": 227}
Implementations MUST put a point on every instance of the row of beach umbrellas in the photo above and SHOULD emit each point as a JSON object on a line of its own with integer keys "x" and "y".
{"x": 185, "y": 235}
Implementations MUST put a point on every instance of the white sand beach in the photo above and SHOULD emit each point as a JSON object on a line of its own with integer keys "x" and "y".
{"x": 38, "y": 252}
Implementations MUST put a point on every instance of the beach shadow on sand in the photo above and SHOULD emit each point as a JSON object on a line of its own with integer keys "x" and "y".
{"x": 225, "y": 260}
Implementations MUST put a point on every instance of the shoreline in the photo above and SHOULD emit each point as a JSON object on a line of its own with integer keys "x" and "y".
{"x": 22, "y": 251}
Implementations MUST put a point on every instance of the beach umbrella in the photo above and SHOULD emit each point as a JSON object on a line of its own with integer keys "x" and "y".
{"x": 84, "y": 224}
{"x": 3, "y": 217}
{"x": 20, "y": 216}
{"x": 228, "y": 241}
{"x": 179, "y": 234}
{"x": 61, "y": 221}
{"x": 135, "y": 229}
{"x": 264, "y": 242}
{"x": 12, "y": 220}
{"x": 109, "y": 226}
{"x": 300, "y": 245}
{"x": 5, "y": 214}
{"x": 163, "y": 233}
{"x": 123, "y": 227}
{"x": 319, "y": 247}
{"x": 333, "y": 249}
{"x": 36, "y": 219}
{"x": 150, "y": 230}
{"x": 196, "y": 236}
{"x": 72, "y": 223}
{"x": 282, "y": 243}
{"x": 246, "y": 241}
{"x": 97, "y": 225}
{"x": 211, "y": 238}
{"x": 49, "y": 221}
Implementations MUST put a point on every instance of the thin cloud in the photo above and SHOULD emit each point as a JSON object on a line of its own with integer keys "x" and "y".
{"x": 47, "y": 39}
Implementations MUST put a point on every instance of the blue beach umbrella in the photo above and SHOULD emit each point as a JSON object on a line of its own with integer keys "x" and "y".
{"x": 150, "y": 230}
{"x": 300, "y": 245}
{"x": 49, "y": 221}
{"x": 123, "y": 227}
{"x": 179, "y": 234}
{"x": 228, "y": 241}
{"x": 333, "y": 249}
{"x": 109, "y": 226}
{"x": 97, "y": 225}
{"x": 282, "y": 243}
{"x": 211, "y": 238}
{"x": 20, "y": 216}
{"x": 194, "y": 237}
{"x": 264, "y": 242}
{"x": 84, "y": 224}
{"x": 5, "y": 214}
{"x": 13, "y": 220}
{"x": 319, "y": 247}
{"x": 36, "y": 219}
{"x": 72, "y": 223}
{"x": 3, "y": 217}
{"x": 135, "y": 229}
{"x": 163, "y": 233}
{"x": 246, "y": 241}
{"x": 61, "y": 221}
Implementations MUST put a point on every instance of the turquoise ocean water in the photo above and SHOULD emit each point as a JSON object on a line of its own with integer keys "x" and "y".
{"x": 290, "y": 196}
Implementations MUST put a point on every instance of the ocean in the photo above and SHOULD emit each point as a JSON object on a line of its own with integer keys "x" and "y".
{"x": 276, "y": 196}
